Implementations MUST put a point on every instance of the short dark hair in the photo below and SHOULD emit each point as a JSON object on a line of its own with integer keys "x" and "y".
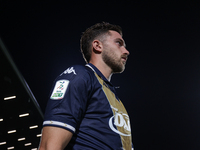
{"x": 95, "y": 31}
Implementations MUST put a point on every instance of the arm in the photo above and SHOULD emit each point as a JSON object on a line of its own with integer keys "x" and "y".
{"x": 54, "y": 138}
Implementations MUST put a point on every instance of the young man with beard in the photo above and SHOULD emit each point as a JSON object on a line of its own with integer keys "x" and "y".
{"x": 84, "y": 112}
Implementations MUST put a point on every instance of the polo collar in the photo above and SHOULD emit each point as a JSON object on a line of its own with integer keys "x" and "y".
{"x": 95, "y": 69}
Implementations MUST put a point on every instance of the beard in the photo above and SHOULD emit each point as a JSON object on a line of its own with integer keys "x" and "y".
{"x": 114, "y": 62}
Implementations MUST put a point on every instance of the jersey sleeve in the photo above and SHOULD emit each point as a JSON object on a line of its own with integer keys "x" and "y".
{"x": 67, "y": 103}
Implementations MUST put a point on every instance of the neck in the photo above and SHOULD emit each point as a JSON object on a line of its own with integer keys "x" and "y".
{"x": 104, "y": 69}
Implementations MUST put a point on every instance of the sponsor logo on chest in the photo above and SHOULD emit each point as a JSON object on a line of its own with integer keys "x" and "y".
{"x": 120, "y": 123}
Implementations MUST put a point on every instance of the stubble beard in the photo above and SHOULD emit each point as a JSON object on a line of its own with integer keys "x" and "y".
{"x": 115, "y": 63}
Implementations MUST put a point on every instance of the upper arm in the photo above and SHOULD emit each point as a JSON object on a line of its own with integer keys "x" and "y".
{"x": 70, "y": 107}
{"x": 54, "y": 138}
{"x": 65, "y": 109}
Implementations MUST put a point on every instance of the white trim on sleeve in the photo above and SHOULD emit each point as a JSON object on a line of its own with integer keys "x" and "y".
{"x": 57, "y": 123}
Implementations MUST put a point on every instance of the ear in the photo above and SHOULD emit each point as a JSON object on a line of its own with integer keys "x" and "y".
{"x": 97, "y": 46}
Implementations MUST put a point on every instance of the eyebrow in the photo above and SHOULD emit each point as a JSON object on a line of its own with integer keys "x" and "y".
{"x": 122, "y": 41}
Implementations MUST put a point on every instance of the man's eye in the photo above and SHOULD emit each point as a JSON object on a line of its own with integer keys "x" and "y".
{"x": 118, "y": 42}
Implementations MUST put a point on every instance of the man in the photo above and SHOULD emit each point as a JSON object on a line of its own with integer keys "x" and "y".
{"x": 84, "y": 112}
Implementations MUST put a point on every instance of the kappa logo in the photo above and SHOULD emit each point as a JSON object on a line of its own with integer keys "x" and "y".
{"x": 69, "y": 70}
{"x": 122, "y": 122}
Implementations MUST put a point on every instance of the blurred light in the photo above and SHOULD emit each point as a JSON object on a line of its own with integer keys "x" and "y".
{"x": 27, "y": 144}
{"x": 11, "y": 147}
{"x": 34, "y": 149}
{"x": 32, "y": 127}
{"x": 12, "y": 131}
{"x": 1, "y": 119}
{"x": 23, "y": 115}
{"x": 39, "y": 135}
{"x": 11, "y": 97}
{"x": 2, "y": 143}
{"x": 21, "y": 139}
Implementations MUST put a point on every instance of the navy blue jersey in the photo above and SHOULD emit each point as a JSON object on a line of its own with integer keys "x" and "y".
{"x": 84, "y": 102}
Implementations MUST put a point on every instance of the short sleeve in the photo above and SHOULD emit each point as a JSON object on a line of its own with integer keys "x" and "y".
{"x": 67, "y": 103}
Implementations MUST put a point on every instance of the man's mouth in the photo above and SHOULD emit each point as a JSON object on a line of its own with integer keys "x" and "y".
{"x": 124, "y": 58}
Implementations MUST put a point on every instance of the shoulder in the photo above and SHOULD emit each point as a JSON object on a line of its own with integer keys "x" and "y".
{"x": 75, "y": 78}
{"x": 76, "y": 72}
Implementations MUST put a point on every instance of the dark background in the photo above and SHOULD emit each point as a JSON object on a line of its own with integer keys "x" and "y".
{"x": 161, "y": 84}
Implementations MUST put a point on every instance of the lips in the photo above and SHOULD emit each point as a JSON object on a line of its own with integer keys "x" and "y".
{"x": 124, "y": 58}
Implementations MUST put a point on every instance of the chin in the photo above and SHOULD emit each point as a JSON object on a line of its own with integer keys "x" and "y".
{"x": 119, "y": 69}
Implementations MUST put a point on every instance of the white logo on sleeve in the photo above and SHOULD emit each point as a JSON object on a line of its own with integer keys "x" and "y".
{"x": 69, "y": 70}
{"x": 59, "y": 89}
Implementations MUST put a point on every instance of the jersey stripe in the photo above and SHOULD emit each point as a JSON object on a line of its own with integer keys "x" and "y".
{"x": 118, "y": 107}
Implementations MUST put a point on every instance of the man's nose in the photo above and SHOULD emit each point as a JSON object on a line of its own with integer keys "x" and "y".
{"x": 126, "y": 51}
